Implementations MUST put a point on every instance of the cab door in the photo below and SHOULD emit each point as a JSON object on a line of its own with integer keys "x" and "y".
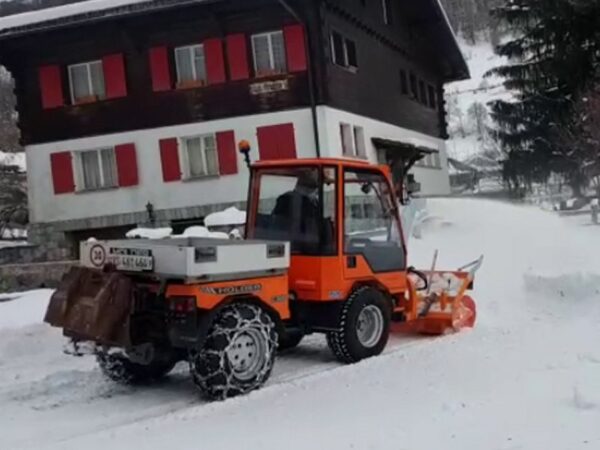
{"x": 373, "y": 245}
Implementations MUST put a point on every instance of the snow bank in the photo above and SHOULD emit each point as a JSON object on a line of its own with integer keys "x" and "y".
{"x": 570, "y": 286}
{"x": 230, "y": 216}
{"x": 20, "y": 310}
{"x": 13, "y": 159}
{"x": 202, "y": 232}
{"x": 149, "y": 233}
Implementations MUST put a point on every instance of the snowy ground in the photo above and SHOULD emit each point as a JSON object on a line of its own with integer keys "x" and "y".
{"x": 528, "y": 377}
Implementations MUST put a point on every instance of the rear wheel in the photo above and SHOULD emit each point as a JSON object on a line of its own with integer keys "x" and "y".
{"x": 120, "y": 368}
{"x": 363, "y": 327}
{"x": 238, "y": 354}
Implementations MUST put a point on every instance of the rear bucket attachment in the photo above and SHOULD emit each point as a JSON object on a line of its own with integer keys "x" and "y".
{"x": 91, "y": 305}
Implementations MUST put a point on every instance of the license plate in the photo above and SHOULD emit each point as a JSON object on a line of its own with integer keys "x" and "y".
{"x": 132, "y": 260}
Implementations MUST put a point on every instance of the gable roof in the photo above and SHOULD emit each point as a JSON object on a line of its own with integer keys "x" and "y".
{"x": 428, "y": 13}
{"x": 81, "y": 12}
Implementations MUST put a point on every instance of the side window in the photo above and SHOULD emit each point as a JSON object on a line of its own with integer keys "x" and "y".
{"x": 86, "y": 81}
{"x": 96, "y": 169}
{"x": 191, "y": 66}
{"x": 369, "y": 209}
{"x": 298, "y": 205}
{"x": 200, "y": 156}
{"x": 269, "y": 54}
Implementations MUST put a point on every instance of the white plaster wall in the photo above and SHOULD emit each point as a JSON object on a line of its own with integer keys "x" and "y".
{"x": 45, "y": 206}
{"x": 433, "y": 181}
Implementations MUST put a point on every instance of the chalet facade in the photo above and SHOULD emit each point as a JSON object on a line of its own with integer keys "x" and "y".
{"x": 133, "y": 112}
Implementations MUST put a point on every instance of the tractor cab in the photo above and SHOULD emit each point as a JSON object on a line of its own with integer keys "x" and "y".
{"x": 341, "y": 218}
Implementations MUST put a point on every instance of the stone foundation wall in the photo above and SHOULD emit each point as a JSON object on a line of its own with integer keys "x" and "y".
{"x": 23, "y": 277}
{"x": 56, "y": 241}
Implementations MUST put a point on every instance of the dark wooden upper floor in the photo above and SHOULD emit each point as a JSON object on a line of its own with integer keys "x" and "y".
{"x": 215, "y": 59}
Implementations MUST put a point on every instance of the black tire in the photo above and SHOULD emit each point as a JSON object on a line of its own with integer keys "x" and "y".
{"x": 345, "y": 343}
{"x": 241, "y": 335}
{"x": 290, "y": 339}
{"x": 119, "y": 368}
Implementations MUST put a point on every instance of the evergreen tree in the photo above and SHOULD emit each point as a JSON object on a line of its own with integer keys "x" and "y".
{"x": 553, "y": 57}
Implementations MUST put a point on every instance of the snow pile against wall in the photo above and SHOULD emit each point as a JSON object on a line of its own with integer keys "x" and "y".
{"x": 231, "y": 216}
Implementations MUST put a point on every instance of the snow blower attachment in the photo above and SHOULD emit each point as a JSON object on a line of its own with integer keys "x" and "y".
{"x": 324, "y": 253}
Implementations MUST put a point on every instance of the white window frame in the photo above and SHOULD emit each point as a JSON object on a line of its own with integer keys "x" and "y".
{"x": 184, "y": 156}
{"x": 191, "y": 48}
{"x": 80, "y": 179}
{"x": 269, "y": 35}
{"x": 87, "y": 65}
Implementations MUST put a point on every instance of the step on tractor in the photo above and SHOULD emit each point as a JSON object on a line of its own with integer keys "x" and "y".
{"x": 324, "y": 252}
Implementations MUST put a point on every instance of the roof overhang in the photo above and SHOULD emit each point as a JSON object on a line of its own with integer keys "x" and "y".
{"x": 84, "y": 12}
{"x": 430, "y": 17}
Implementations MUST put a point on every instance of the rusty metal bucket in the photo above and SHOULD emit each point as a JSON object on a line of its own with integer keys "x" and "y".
{"x": 91, "y": 305}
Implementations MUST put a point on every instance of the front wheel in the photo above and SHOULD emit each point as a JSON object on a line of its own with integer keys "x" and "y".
{"x": 364, "y": 326}
{"x": 238, "y": 354}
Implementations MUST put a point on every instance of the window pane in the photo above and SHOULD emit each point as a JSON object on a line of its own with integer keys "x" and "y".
{"x": 432, "y": 97}
{"x": 97, "y": 74}
{"x": 403, "y": 82}
{"x": 210, "y": 150}
{"x": 183, "y": 61}
{"x": 337, "y": 43}
{"x": 278, "y": 47}
{"x": 262, "y": 59}
{"x": 351, "y": 53}
{"x": 423, "y": 92}
{"x": 109, "y": 167}
{"x": 413, "y": 86}
{"x": 347, "y": 139}
{"x": 359, "y": 142}
{"x": 369, "y": 192}
{"x": 79, "y": 81}
{"x": 90, "y": 166}
{"x": 195, "y": 158}
{"x": 200, "y": 63}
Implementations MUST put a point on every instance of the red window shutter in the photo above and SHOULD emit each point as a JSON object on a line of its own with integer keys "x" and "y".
{"x": 295, "y": 48}
{"x": 215, "y": 62}
{"x": 51, "y": 87}
{"x": 277, "y": 142}
{"x": 169, "y": 158}
{"x": 127, "y": 168}
{"x": 227, "y": 153}
{"x": 114, "y": 76}
{"x": 160, "y": 69}
{"x": 237, "y": 57}
{"x": 62, "y": 172}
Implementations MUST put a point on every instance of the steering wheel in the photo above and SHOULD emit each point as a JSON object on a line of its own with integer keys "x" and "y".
{"x": 421, "y": 276}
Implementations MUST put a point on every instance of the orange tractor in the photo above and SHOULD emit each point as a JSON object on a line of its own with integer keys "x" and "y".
{"x": 324, "y": 253}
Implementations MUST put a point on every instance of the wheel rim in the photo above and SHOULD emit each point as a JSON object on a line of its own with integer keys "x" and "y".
{"x": 369, "y": 326}
{"x": 247, "y": 354}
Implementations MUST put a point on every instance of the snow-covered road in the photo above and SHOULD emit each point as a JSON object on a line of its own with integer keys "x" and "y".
{"x": 528, "y": 377}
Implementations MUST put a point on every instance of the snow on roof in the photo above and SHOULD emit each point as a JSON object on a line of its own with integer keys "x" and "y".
{"x": 59, "y": 12}
{"x": 84, "y": 10}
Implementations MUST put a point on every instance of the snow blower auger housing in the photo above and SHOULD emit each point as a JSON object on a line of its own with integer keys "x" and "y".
{"x": 324, "y": 253}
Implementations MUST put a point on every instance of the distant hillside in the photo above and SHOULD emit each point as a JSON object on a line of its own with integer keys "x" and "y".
{"x": 467, "y": 102}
